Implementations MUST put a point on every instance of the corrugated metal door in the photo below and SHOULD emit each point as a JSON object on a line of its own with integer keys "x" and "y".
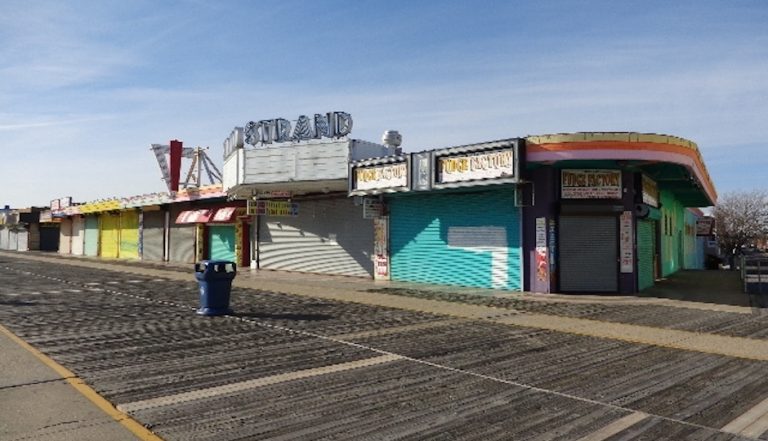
{"x": 328, "y": 236}
{"x": 588, "y": 253}
{"x": 221, "y": 242}
{"x": 5, "y": 234}
{"x": 13, "y": 240}
{"x": 646, "y": 249}
{"x": 181, "y": 240}
{"x": 23, "y": 240}
{"x": 49, "y": 237}
{"x": 78, "y": 235}
{"x": 109, "y": 235}
{"x": 464, "y": 239}
{"x": 129, "y": 234}
{"x": 65, "y": 236}
{"x": 153, "y": 235}
{"x": 91, "y": 240}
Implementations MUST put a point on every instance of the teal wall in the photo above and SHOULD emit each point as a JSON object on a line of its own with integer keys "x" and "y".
{"x": 672, "y": 227}
{"x": 694, "y": 252}
{"x": 421, "y": 226}
{"x": 646, "y": 248}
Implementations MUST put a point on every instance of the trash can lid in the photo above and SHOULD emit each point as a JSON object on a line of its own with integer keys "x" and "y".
{"x": 218, "y": 266}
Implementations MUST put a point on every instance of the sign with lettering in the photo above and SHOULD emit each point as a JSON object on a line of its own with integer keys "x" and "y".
{"x": 275, "y": 208}
{"x": 275, "y": 194}
{"x": 590, "y": 184}
{"x": 61, "y": 203}
{"x": 650, "y": 192}
{"x": 381, "y": 176}
{"x": 704, "y": 226}
{"x": 280, "y": 130}
{"x": 626, "y": 242}
{"x": 372, "y": 208}
{"x": 542, "y": 261}
{"x": 484, "y": 165}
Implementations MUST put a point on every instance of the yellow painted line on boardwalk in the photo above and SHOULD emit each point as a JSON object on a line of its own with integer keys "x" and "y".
{"x": 231, "y": 388}
{"x": 615, "y": 427}
{"x": 126, "y": 421}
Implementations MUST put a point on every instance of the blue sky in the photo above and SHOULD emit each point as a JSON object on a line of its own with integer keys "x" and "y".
{"x": 87, "y": 86}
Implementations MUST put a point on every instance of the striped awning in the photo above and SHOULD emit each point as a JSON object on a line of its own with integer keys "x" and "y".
{"x": 194, "y": 216}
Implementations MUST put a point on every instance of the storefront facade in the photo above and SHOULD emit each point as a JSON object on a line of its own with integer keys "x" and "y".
{"x": 447, "y": 209}
{"x": 295, "y": 182}
{"x": 609, "y": 210}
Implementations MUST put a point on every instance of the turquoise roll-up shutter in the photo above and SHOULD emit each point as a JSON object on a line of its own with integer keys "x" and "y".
{"x": 91, "y": 241}
{"x": 463, "y": 239}
{"x": 222, "y": 242}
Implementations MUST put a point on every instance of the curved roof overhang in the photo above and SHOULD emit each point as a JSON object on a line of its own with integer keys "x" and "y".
{"x": 675, "y": 163}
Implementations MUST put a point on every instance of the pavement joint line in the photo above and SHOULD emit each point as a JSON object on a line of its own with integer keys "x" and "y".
{"x": 752, "y": 423}
{"x": 79, "y": 385}
{"x": 216, "y": 391}
{"x": 34, "y": 383}
{"x": 615, "y": 427}
{"x": 431, "y": 364}
{"x": 399, "y": 329}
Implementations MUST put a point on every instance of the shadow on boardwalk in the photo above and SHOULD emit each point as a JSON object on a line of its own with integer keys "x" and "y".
{"x": 707, "y": 286}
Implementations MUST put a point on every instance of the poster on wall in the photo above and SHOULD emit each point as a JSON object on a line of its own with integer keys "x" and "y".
{"x": 542, "y": 261}
{"x": 590, "y": 184}
{"x": 382, "y": 268}
{"x": 626, "y": 242}
{"x": 380, "y": 235}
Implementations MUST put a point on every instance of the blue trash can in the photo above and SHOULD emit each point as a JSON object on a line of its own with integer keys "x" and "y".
{"x": 215, "y": 280}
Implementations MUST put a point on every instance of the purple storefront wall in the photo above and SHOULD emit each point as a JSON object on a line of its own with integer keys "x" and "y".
{"x": 546, "y": 185}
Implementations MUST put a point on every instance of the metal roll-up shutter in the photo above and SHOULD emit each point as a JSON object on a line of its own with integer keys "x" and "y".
{"x": 588, "y": 247}
{"x": 91, "y": 236}
{"x": 153, "y": 236}
{"x": 221, "y": 240}
{"x": 109, "y": 235}
{"x": 78, "y": 235}
{"x": 328, "y": 236}
{"x": 4, "y": 236}
{"x": 129, "y": 234}
{"x": 23, "y": 244}
{"x": 646, "y": 249}
{"x": 181, "y": 240}
{"x": 464, "y": 239}
{"x": 49, "y": 237}
{"x": 13, "y": 240}
{"x": 65, "y": 236}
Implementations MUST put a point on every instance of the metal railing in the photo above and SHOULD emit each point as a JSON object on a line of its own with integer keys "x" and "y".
{"x": 754, "y": 277}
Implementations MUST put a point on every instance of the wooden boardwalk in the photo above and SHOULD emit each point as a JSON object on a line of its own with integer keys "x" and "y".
{"x": 335, "y": 360}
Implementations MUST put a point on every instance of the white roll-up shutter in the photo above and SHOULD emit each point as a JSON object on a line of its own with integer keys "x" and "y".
{"x": 78, "y": 235}
{"x": 23, "y": 237}
{"x": 588, "y": 248}
{"x": 328, "y": 236}
{"x": 182, "y": 240}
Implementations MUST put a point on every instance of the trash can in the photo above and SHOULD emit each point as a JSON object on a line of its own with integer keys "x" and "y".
{"x": 215, "y": 280}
